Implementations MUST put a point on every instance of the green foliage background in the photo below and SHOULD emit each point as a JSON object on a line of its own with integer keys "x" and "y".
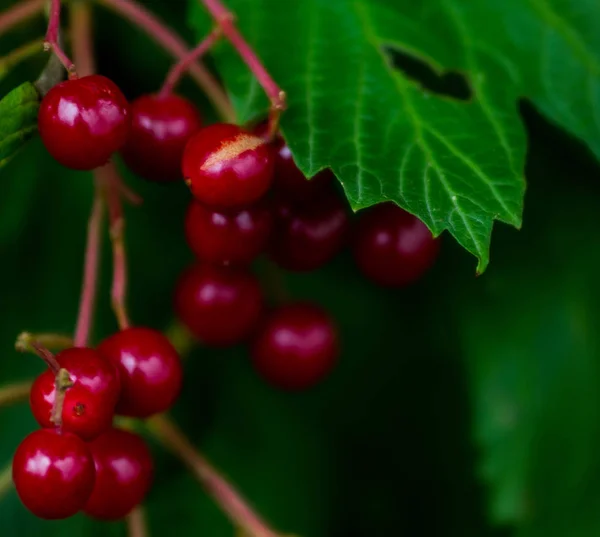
{"x": 462, "y": 406}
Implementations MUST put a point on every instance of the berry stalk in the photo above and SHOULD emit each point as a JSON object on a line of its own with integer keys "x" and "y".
{"x": 226, "y": 496}
{"x": 81, "y": 33}
{"x": 19, "y": 13}
{"x": 178, "y": 70}
{"x": 225, "y": 20}
{"x": 174, "y": 45}
{"x": 15, "y": 393}
{"x": 26, "y": 342}
{"x": 51, "y": 41}
{"x": 136, "y": 523}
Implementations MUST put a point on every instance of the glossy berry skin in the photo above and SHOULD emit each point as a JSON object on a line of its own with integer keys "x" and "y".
{"x": 228, "y": 237}
{"x": 149, "y": 369}
{"x": 89, "y": 404}
{"x": 219, "y": 305}
{"x": 160, "y": 128}
{"x": 392, "y": 247}
{"x": 82, "y": 122}
{"x": 53, "y": 473}
{"x": 296, "y": 347}
{"x": 306, "y": 236}
{"x": 226, "y": 166}
{"x": 123, "y": 474}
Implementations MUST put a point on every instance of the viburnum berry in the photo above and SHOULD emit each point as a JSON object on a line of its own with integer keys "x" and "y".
{"x": 53, "y": 473}
{"x": 306, "y": 236}
{"x": 296, "y": 347}
{"x": 227, "y": 166}
{"x": 392, "y": 247}
{"x": 149, "y": 369}
{"x": 89, "y": 404}
{"x": 83, "y": 121}
{"x": 233, "y": 236}
{"x": 123, "y": 474}
{"x": 160, "y": 128}
{"x": 219, "y": 305}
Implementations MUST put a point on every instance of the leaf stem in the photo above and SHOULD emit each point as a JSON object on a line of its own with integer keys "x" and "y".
{"x": 136, "y": 523}
{"x": 226, "y": 496}
{"x": 225, "y": 20}
{"x": 174, "y": 45}
{"x": 51, "y": 40}
{"x": 111, "y": 180}
{"x": 20, "y": 12}
{"x": 15, "y": 393}
{"x": 178, "y": 70}
{"x": 91, "y": 264}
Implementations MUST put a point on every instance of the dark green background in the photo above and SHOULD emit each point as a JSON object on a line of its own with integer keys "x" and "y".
{"x": 461, "y": 407}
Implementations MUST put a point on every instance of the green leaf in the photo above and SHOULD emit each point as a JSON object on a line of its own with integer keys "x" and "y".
{"x": 18, "y": 119}
{"x": 457, "y": 165}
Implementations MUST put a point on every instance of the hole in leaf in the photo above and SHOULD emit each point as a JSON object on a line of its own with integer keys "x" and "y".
{"x": 449, "y": 84}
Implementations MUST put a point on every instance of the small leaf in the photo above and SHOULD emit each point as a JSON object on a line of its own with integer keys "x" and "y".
{"x": 18, "y": 119}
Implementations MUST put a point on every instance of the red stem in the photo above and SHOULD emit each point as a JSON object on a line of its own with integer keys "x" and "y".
{"x": 81, "y": 34}
{"x": 179, "y": 69}
{"x": 52, "y": 39}
{"x": 112, "y": 181}
{"x": 90, "y": 270}
{"x": 172, "y": 43}
{"x": 20, "y": 12}
{"x": 276, "y": 95}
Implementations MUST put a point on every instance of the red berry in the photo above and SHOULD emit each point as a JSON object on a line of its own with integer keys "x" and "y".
{"x": 289, "y": 182}
{"x": 83, "y": 121}
{"x": 53, "y": 473}
{"x": 296, "y": 347}
{"x": 123, "y": 474}
{"x": 227, "y": 166}
{"x": 89, "y": 404}
{"x": 160, "y": 128}
{"x": 219, "y": 305}
{"x": 149, "y": 368}
{"x": 306, "y": 236}
{"x": 234, "y": 236}
{"x": 392, "y": 247}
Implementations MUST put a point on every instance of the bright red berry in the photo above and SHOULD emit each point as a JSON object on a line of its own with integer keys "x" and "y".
{"x": 149, "y": 369}
{"x": 83, "y": 121}
{"x": 220, "y": 305}
{"x": 89, "y": 405}
{"x": 227, "y": 166}
{"x": 53, "y": 473}
{"x": 123, "y": 474}
{"x": 229, "y": 237}
{"x": 306, "y": 236}
{"x": 392, "y": 247}
{"x": 296, "y": 347}
{"x": 160, "y": 128}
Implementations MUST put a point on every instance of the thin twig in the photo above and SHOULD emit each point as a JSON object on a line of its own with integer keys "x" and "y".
{"x": 26, "y": 342}
{"x": 20, "y": 12}
{"x": 82, "y": 36}
{"x": 174, "y": 45}
{"x": 51, "y": 42}
{"x": 226, "y": 496}
{"x": 136, "y": 523}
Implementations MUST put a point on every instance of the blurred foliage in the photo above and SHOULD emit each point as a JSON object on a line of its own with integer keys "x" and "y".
{"x": 462, "y": 406}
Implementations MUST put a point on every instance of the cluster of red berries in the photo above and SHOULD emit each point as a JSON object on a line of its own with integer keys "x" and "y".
{"x": 79, "y": 461}
{"x": 249, "y": 198}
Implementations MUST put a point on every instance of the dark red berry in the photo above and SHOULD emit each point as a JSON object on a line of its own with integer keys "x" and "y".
{"x": 220, "y": 305}
{"x": 83, "y": 121}
{"x": 296, "y": 347}
{"x": 89, "y": 405}
{"x": 53, "y": 473}
{"x": 306, "y": 236}
{"x": 228, "y": 236}
{"x": 392, "y": 247}
{"x": 123, "y": 474}
{"x": 149, "y": 369}
{"x": 160, "y": 128}
{"x": 288, "y": 181}
{"x": 227, "y": 166}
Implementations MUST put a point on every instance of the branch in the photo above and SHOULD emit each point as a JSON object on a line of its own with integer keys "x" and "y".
{"x": 174, "y": 45}
{"x": 225, "y": 20}
{"x": 226, "y": 496}
{"x": 20, "y": 12}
